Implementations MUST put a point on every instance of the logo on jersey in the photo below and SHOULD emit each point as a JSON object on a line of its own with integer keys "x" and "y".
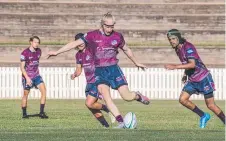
{"x": 87, "y": 65}
{"x": 99, "y": 48}
{"x": 98, "y": 41}
{"x": 97, "y": 78}
{"x": 119, "y": 78}
{"x": 33, "y": 63}
{"x": 22, "y": 57}
{"x": 87, "y": 57}
{"x": 114, "y": 42}
{"x": 206, "y": 88}
{"x": 190, "y": 51}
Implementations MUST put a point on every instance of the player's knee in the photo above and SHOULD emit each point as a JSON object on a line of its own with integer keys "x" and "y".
{"x": 128, "y": 96}
{"x": 182, "y": 101}
{"x": 88, "y": 104}
{"x": 25, "y": 95}
{"x": 43, "y": 92}
{"x": 211, "y": 106}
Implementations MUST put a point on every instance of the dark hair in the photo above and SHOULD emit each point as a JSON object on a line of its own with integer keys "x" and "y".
{"x": 78, "y": 36}
{"x": 177, "y": 33}
{"x": 35, "y": 37}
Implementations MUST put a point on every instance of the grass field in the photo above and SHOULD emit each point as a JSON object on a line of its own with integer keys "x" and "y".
{"x": 71, "y": 121}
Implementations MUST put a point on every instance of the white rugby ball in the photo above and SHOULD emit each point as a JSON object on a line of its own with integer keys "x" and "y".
{"x": 130, "y": 120}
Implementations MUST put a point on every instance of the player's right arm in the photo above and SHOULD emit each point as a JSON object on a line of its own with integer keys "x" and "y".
{"x": 77, "y": 72}
{"x": 131, "y": 56}
{"x": 22, "y": 68}
{"x": 66, "y": 48}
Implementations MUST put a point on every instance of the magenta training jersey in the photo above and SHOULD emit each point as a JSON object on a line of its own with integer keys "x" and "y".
{"x": 105, "y": 48}
{"x": 186, "y": 52}
{"x": 86, "y": 59}
{"x": 31, "y": 61}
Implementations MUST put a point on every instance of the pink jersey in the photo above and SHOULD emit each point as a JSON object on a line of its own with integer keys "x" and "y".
{"x": 105, "y": 48}
{"x": 86, "y": 59}
{"x": 31, "y": 61}
{"x": 188, "y": 51}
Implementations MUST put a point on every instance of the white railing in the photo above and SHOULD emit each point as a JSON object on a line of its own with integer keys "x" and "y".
{"x": 156, "y": 83}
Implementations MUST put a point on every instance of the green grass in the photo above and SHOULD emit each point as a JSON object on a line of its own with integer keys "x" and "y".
{"x": 71, "y": 121}
{"x": 132, "y": 44}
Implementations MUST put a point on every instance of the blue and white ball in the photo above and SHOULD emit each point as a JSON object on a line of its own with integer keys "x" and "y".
{"x": 130, "y": 120}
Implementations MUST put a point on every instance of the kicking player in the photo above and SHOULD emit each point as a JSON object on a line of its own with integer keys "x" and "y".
{"x": 85, "y": 59}
{"x": 30, "y": 75}
{"x": 199, "y": 77}
{"x": 104, "y": 43}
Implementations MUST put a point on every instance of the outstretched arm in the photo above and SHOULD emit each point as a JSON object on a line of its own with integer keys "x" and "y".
{"x": 65, "y": 48}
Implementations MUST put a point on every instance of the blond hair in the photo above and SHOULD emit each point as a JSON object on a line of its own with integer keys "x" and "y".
{"x": 107, "y": 16}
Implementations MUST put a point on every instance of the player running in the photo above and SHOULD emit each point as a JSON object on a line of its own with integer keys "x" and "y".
{"x": 199, "y": 77}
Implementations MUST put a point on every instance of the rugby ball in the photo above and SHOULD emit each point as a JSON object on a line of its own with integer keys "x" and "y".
{"x": 130, "y": 120}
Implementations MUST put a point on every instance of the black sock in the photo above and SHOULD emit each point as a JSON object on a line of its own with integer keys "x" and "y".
{"x": 222, "y": 117}
{"x": 24, "y": 110}
{"x": 99, "y": 117}
{"x": 103, "y": 121}
{"x": 198, "y": 111}
{"x": 119, "y": 118}
{"x": 105, "y": 108}
{"x": 42, "y": 106}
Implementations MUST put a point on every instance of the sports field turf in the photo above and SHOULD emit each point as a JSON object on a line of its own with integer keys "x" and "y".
{"x": 71, "y": 121}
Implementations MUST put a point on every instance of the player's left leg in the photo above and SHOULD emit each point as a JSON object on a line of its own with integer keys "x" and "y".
{"x": 91, "y": 102}
{"x": 95, "y": 107}
{"x": 41, "y": 86}
{"x": 184, "y": 100}
{"x": 99, "y": 116}
{"x": 92, "y": 98}
{"x": 210, "y": 103}
{"x": 119, "y": 83}
{"x": 128, "y": 95}
{"x": 207, "y": 87}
